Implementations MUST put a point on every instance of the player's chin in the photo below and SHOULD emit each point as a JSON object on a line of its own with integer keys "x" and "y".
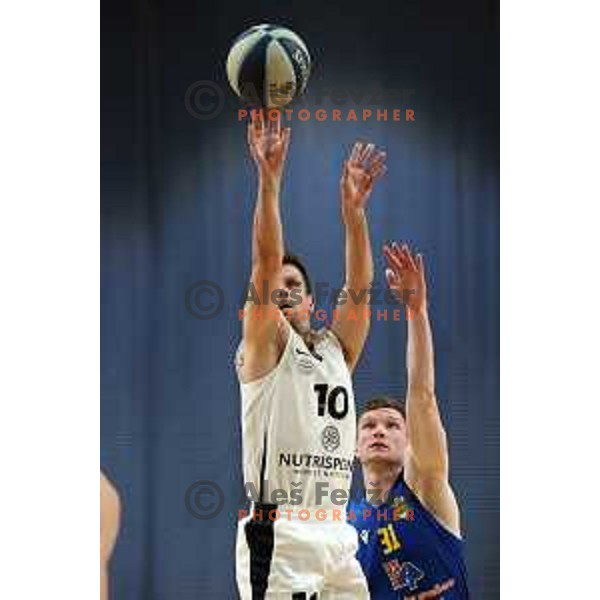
{"x": 295, "y": 319}
{"x": 287, "y": 311}
{"x": 380, "y": 454}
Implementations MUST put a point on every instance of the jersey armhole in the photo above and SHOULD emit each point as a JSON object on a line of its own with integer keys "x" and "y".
{"x": 335, "y": 340}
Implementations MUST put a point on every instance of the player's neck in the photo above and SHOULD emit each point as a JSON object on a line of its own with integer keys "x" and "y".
{"x": 308, "y": 335}
{"x": 380, "y": 479}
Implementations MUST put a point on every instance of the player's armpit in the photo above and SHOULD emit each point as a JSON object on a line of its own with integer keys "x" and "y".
{"x": 255, "y": 360}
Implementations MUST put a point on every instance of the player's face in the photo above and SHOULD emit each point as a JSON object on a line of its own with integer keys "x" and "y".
{"x": 296, "y": 301}
{"x": 381, "y": 437}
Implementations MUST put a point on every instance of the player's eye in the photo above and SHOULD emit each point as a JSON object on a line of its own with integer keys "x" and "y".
{"x": 292, "y": 283}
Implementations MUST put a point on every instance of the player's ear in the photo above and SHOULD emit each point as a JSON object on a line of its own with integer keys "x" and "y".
{"x": 311, "y": 303}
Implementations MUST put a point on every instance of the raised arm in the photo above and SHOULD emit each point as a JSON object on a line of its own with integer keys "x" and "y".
{"x": 426, "y": 467}
{"x": 360, "y": 172}
{"x": 263, "y": 334}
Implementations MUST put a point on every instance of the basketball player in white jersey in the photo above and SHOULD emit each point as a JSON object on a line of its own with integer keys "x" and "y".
{"x": 298, "y": 413}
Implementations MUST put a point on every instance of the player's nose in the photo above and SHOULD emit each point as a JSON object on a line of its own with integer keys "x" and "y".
{"x": 282, "y": 296}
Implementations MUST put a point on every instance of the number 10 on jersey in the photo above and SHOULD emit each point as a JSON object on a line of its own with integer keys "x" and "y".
{"x": 334, "y": 402}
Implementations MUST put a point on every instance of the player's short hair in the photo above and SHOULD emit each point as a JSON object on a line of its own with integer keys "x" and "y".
{"x": 296, "y": 261}
{"x": 384, "y": 402}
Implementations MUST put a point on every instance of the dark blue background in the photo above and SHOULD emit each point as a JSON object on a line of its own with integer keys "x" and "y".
{"x": 177, "y": 201}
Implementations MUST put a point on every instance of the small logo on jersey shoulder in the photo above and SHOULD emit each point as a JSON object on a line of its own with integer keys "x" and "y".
{"x": 317, "y": 356}
{"x": 330, "y": 438}
{"x": 364, "y": 536}
{"x": 306, "y": 360}
{"x": 402, "y": 509}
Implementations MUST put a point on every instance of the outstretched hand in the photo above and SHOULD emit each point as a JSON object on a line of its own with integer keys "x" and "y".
{"x": 405, "y": 275}
{"x": 268, "y": 143}
{"x": 364, "y": 166}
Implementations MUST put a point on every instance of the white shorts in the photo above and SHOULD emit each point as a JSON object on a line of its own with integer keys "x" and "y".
{"x": 298, "y": 560}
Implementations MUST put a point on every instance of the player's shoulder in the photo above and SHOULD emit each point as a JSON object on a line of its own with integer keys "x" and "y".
{"x": 252, "y": 363}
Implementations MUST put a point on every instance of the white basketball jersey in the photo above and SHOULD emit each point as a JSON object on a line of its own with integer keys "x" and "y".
{"x": 299, "y": 427}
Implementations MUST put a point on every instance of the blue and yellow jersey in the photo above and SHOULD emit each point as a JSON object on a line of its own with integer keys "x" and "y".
{"x": 405, "y": 552}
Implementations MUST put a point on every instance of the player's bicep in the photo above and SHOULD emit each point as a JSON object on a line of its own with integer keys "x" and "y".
{"x": 263, "y": 327}
{"x": 428, "y": 440}
{"x": 261, "y": 314}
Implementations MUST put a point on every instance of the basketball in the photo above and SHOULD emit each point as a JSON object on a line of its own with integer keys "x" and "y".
{"x": 268, "y": 66}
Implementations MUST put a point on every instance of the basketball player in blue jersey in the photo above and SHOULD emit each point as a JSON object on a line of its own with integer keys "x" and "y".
{"x": 408, "y": 521}
{"x": 298, "y": 412}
